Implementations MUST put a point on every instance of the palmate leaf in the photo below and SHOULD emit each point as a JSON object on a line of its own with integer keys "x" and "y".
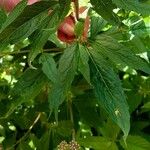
{"x": 105, "y": 9}
{"x": 119, "y": 54}
{"x": 66, "y": 70}
{"x": 25, "y": 24}
{"x": 108, "y": 91}
{"x": 133, "y": 5}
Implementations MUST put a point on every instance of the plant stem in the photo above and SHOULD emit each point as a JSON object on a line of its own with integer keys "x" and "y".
{"x": 71, "y": 117}
{"x": 27, "y": 51}
{"x": 26, "y": 134}
{"x": 77, "y": 9}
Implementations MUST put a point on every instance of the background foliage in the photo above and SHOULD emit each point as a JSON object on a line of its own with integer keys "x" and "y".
{"x": 95, "y": 92}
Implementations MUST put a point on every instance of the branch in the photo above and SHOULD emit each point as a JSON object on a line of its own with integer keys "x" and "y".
{"x": 27, "y": 51}
{"x": 26, "y": 134}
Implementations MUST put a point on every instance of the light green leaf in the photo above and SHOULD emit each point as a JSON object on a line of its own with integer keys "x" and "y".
{"x": 146, "y": 107}
{"x": 109, "y": 92}
{"x": 97, "y": 143}
{"x": 136, "y": 143}
{"x": 83, "y": 65}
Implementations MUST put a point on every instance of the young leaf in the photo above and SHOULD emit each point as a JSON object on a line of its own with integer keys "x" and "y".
{"x": 49, "y": 67}
{"x": 97, "y": 143}
{"x": 105, "y": 9}
{"x": 109, "y": 92}
{"x": 67, "y": 68}
{"x": 119, "y": 54}
{"x": 136, "y": 143}
{"x": 83, "y": 65}
{"x": 133, "y": 5}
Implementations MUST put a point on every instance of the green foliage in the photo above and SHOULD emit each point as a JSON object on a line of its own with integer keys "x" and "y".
{"x": 93, "y": 91}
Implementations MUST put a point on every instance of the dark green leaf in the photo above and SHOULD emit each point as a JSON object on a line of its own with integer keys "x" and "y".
{"x": 133, "y": 5}
{"x": 105, "y": 9}
{"x": 67, "y": 68}
{"x": 3, "y": 17}
{"x": 119, "y": 54}
{"x": 27, "y": 88}
{"x": 83, "y": 65}
{"x": 26, "y": 23}
{"x": 64, "y": 8}
{"x": 48, "y": 27}
{"x": 86, "y": 105}
{"x": 14, "y": 14}
{"x": 109, "y": 92}
{"x": 97, "y": 24}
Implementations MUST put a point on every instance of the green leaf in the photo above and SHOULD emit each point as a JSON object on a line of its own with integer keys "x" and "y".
{"x": 79, "y": 27}
{"x": 3, "y": 17}
{"x": 64, "y": 128}
{"x": 110, "y": 130}
{"x": 105, "y": 9}
{"x": 45, "y": 141}
{"x": 14, "y": 14}
{"x": 64, "y": 4}
{"x": 30, "y": 84}
{"x": 97, "y": 143}
{"x": 97, "y": 24}
{"x": 49, "y": 67}
{"x": 83, "y": 65}
{"x": 133, "y": 5}
{"x": 27, "y": 88}
{"x": 48, "y": 27}
{"x": 146, "y": 107}
{"x": 25, "y": 24}
{"x": 109, "y": 92}
{"x": 136, "y": 143}
{"x": 86, "y": 106}
{"x": 67, "y": 69}
{"x": 24, "y": 146}
{"x": 119, "y": 54}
